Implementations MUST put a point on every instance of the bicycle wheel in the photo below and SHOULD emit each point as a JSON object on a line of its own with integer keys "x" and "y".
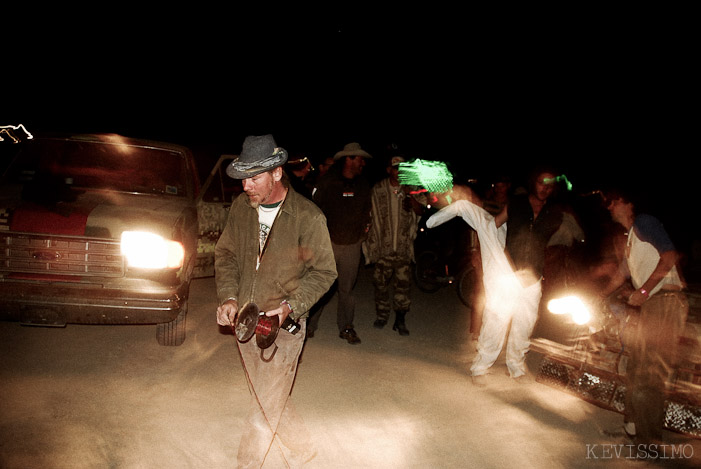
{"x": 466, "y": 285}
{"x": 426, "y": 271}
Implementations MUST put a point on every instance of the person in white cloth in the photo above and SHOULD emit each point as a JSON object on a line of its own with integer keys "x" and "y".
{"x": 511, "y": 297}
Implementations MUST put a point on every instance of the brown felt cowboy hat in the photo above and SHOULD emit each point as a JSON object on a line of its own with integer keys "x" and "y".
{"x": 260, "y": 153}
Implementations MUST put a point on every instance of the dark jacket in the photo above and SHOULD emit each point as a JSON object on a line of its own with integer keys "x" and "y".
{"x": 346, "y": 204}
{"x": 526, "y": 236}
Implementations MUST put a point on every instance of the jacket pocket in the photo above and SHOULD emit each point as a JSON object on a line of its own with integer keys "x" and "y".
{"x": 282, "y": 289}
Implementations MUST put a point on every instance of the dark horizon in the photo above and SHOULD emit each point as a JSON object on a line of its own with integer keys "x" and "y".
{"x": 604, "y": 106}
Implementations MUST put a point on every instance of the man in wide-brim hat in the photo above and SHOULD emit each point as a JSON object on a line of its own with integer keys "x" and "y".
{"x": 260, "y": 154}
{"x": 343, "y": 194}
{"x": 274, "y": 252}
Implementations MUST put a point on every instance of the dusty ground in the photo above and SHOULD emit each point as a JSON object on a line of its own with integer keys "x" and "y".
{"x": 110, "y": 397}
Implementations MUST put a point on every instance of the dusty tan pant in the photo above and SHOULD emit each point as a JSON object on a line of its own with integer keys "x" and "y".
{"x": 653, "y": 356}
{"x": 272, "y": 420}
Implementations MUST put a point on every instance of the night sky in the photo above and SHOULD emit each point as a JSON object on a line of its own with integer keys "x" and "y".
{"x": 600, "y": 102}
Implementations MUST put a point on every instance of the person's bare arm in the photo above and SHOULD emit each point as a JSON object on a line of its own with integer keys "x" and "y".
{"x": 667, "y": 260}
{"x": 502, "y": 217}
{"x": 458, "y": 192}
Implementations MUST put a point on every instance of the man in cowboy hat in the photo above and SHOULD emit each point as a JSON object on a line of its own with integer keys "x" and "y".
{"x": 343, "y": 194}
{"x": 274, "y": 252}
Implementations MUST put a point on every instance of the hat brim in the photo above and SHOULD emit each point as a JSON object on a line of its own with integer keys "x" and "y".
{"x": 343, "y": 153}
{"x": 235, "y": 172}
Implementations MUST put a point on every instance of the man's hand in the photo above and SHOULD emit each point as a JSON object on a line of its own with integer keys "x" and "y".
{"x": 226, "y": 313}
{"x": 282, "y": 312}
{"x": 637, "y": 298}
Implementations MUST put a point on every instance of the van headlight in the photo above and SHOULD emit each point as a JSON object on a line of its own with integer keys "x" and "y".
{"x": 150, "y": 251}
{"x": 573, "y": 306}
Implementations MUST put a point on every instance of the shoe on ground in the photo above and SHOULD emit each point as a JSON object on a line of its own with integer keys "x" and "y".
{"x": 629, "y": 430}
{"x": 350, "y": 335}
{"x": 301, "y": 458}
{"x": 379, "y": 323}
{"x": 479, "y": 380}
{"x": 310, "y": 333}
{"x": 523, "y": 379}
{"x": 401, "y": 328}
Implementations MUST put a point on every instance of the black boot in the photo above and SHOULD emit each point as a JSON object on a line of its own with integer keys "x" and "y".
{"x": 399, "y": 323}
{"x": 381, "y": 320}
{"x": 379, "y": 323}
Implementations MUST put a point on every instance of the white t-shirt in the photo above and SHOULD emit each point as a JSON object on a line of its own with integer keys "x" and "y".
{"x": 266, "y": 218}
{"x": 646, "y": 239}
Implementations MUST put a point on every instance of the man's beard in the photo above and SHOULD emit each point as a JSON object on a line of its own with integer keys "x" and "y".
{"x": 253, "y": 204}
{"x": 260, "y": 200}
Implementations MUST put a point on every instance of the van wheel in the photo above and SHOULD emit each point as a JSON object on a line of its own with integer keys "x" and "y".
{"x": 173, "y": 332}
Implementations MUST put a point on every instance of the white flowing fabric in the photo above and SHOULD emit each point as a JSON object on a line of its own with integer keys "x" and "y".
{"x": 507, "y": 300}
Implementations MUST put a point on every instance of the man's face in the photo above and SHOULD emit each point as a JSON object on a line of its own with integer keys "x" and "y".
{"x": 501, "y": 187}
{"x": 393, "y": 172}
{"x": 259, "y": 187}
{"x": 544, "y": 186}
{"x": 355, "y": 164}
{"x": 620, "y": 210}
{"x": 304, "y": 171}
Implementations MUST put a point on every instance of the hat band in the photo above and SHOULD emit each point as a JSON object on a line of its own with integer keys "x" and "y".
{"x": 275, "y": 160}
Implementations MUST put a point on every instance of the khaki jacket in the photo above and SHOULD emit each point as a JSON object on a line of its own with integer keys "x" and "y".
{"x": 297, "y": 265}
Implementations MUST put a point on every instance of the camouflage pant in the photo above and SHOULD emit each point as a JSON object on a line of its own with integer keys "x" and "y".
{"x": 392, "y": 281}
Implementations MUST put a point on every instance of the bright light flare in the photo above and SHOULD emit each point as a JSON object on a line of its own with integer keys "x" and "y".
{"x": 9, "y": 132}
{"x": 571, "y": 305}
{"x": 151, "y": 251}
{"x": 433, "y": 176}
